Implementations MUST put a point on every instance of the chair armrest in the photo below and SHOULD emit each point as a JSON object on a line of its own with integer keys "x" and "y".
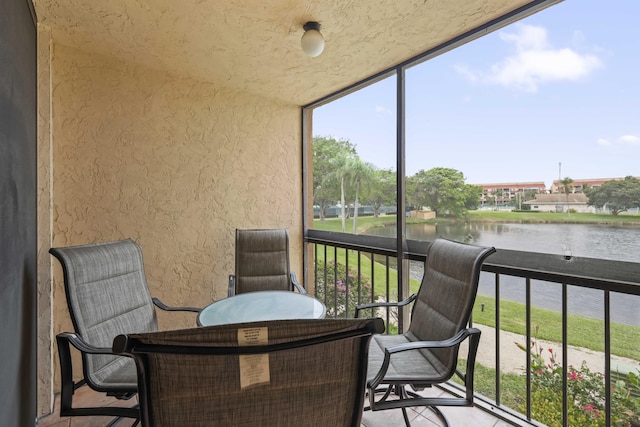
{"x": 451, "y": 342}
{"x": 417, "y": 345}
{"x": 232, "y": 285}
{"x": 165, "y": 307}
{"x": 296, "y": 285}
{"x": 402, "y": 303}
{"x": 67, "y": 337}
{"x": 64, "y": 341}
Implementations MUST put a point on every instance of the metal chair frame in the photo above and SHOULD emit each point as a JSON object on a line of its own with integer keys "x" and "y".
{"x": 67, "y": 340}
{"x": 394, "y": 391}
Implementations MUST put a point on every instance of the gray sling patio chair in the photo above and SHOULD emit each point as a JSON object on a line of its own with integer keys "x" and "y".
{"x": 262, "y": 262}
{"x": 296, "y": 373}
{"x": 427, "y": 354}
{"x": 107, "y": 295}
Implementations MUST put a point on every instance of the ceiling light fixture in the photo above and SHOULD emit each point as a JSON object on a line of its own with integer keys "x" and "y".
{"x": 312, "y": 41}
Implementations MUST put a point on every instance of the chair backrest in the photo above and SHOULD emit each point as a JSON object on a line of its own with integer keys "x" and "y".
{"x": 311, "y": 373}
{"x": 107, "y": 295}
{"x": 447, "y": 294}
{"x": 262, "y": 260}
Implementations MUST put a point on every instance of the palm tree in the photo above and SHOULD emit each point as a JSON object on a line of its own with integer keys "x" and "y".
{"x": 359, "y": 172}
{"x": 566, "y": 186}
{"x": 340, "y": 167}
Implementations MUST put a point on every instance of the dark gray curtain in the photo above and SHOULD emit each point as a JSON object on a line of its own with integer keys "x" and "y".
{"x": 18, "y": 239}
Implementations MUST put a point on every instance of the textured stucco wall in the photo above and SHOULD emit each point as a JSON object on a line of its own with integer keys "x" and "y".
{"x": 173, "y": 163}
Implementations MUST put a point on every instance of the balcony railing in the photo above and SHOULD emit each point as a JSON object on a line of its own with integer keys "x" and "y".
{"x": 344, "y": 268}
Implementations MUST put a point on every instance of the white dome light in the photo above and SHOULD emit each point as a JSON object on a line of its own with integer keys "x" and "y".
{"x": 312, "y": 41}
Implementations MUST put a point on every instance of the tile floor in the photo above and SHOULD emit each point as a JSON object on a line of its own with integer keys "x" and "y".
{"x": 419, "y": 417}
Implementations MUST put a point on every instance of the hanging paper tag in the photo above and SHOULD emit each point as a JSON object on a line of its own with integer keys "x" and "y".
{"x": 254, "y": 368}
{"x": 253, "y": 336}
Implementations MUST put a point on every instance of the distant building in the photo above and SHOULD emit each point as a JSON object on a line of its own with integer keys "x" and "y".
{"x": 579, "y": 184}
{"x": 560, "y": 202}
{"x": 506, "y": 193}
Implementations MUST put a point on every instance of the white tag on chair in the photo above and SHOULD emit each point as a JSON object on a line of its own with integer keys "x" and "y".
{"x": 254, "y": 368}
{"x": 253, "y": 336}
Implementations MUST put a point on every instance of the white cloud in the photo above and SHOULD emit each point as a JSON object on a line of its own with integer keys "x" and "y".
{"x": 629, "y": 139}
{"x": 466, "y": 72}
{"x": 382, "y": 110}
{"x": 623, "y": 140}
{"x": 534, "y": 62}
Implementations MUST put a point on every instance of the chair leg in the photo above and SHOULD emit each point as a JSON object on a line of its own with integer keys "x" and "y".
{"x": 114, "y": 422}
{"x": 401, "y": 392}
{"x": 117, "y": 420}
{"x": 405, "y": 394}
{"x": 440, "y": 415}
{"x": 406, "y": 417}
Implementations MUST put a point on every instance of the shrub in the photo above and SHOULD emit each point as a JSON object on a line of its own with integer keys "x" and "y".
{"x": 585, "y": 393}
{"x": 341, "y": 292}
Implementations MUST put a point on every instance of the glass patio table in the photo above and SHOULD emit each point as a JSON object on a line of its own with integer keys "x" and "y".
{"x": 261, "y": 305}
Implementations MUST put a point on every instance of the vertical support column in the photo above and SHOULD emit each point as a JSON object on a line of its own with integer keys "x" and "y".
{"x": 404, "y": 317}
{"x": 307, "y": 183}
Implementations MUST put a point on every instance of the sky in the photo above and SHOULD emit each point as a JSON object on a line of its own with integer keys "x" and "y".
{"x": 554, "y": 95}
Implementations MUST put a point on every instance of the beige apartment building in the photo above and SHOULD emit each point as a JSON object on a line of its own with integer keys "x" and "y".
{"x": 507, "y": 193}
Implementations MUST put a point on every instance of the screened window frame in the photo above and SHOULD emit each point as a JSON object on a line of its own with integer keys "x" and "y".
{"x": 399, "y": 72}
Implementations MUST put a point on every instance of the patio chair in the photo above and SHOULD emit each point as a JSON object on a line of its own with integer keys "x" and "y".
{"x": 107, "y": 295}
{"x": 427, "y": 354}
{"x": 262, "y": 262}
{"x": 272, "y": 373}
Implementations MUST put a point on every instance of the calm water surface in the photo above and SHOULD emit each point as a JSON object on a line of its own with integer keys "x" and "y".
{"x": 620, "y": 243}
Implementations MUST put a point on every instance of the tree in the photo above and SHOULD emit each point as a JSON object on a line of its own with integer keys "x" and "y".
{"x": 617, "y": 195}
{"x": 340, "y": 171}
{"x": 443, "y": 190}
{"x": 359, "y": 172}
{"x": 566, "y": 186}
{"x": 326, "y": 190}
{"x": 382, "y": 190}
{"x": 472, "y": 195}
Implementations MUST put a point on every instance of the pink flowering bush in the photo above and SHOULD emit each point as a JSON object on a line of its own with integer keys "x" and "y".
{"x": 341, "y": 293}
{"x": 585, "y": 392}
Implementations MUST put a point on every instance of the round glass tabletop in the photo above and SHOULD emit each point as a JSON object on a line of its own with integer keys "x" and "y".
{"x": 261, "y": 305}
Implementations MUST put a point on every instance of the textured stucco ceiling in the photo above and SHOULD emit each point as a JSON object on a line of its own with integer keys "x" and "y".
{"x": 254, "y": 45}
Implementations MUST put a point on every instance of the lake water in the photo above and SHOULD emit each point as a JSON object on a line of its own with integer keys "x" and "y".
{"x": 620, "y": 243}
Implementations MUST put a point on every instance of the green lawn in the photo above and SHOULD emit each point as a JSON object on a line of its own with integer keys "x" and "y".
{"x": 551, "y": 217}
{"x": 364, "y": 223}
{"x": 582, "y": 331}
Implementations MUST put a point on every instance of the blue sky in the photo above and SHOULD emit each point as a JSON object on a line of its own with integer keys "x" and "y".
{"x": 561, "y": 87}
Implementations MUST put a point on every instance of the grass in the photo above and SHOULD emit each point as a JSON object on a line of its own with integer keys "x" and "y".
{"x": 512, "y": 386}
{"x": 582, "y": 331}
{"x": 380, "y": 282}
{"x": 364, "y": 223}
{"x": 551, "y": 217}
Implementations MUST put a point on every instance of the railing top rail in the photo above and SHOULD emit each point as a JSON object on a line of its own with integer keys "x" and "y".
{"x": 610, "y": 275}
{"x": 596, "y": 273}
{"x": 359, "y": 242}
